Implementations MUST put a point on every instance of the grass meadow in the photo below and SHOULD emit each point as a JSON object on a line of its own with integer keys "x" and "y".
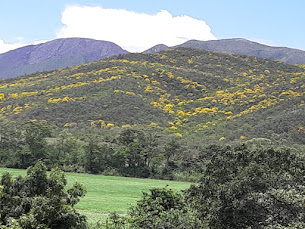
{"x": 107, "y": 194}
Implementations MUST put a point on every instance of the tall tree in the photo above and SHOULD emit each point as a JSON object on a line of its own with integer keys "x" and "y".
{"x": 34, "y": 135}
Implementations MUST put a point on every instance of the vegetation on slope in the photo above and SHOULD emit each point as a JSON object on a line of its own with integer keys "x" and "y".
{"x": 186, "y": 91}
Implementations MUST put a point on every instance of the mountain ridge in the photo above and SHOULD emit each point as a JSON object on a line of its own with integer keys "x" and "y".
{"x": 55, "y": 54}
{"x": 65, "y": 52}
{"x": 241, "y": 46}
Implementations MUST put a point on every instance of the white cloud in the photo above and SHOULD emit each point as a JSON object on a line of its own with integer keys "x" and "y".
{"x": 5, "y": 47}
{"x": 132, "y": 31}
{"x": 264, "y": 41}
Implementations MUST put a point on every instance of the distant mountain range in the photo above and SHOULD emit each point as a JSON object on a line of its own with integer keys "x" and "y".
{"x": 61, "y": 53}
{"x": 55, "y": 54}
{"x": 240, "y": 46}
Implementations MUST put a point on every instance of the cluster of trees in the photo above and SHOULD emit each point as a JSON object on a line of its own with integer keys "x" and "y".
{"x": 127, "y": 152}
{"x": 131, "y": 151}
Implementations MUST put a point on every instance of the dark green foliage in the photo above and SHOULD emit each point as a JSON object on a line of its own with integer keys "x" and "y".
{"x": 39, "y": 200}
{"x": 98, "y": 155}
{"x": 251, "y": 188}
{"x": 171, "y": 149}
{"x": 254, "y": 185}
{"x": 10, "y": 143}
{"x": 162, "y": 208}
{"x": 21, "y": 146}
{"x": 34, "y": 136}
{"x": 129, "y": 152}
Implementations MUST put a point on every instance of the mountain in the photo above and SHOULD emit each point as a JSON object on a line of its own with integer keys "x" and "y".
{"x": 197, "y": 94}
{"x": 61, "y": 53}
{"x": 55, "y": 54}
{"x": 250, "y": 48}
{"x": 240, "y": 46}
{"x": 156, "y": 48}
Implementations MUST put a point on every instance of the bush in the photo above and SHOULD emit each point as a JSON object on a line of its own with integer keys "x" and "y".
{"x": 162, "y": 208}
{"x": 40, "y": 201}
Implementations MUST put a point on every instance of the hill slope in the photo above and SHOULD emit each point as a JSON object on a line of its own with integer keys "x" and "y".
{"x": 55, "y": 54}
{"x": 189, "y": 92}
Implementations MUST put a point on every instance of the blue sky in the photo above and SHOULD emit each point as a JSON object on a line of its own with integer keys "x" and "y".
{"x": 273, "y": 22}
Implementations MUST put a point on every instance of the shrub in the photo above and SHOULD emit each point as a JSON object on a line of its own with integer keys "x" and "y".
{"x": 40, "y": 201}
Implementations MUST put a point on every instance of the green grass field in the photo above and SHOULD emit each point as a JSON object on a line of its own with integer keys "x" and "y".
{"x": 109, "y": 193}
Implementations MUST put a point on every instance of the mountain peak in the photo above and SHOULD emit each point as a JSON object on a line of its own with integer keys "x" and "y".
{"x": 241, "y": 46}
{"x": 156, "y": 48}
{"x": 55, "y": 54}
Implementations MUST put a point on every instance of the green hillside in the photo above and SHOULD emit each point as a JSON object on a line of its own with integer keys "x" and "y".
{"x": 191, "y": 93}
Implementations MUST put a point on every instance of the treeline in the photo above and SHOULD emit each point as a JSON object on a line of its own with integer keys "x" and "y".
{"x": 131, "y": 152}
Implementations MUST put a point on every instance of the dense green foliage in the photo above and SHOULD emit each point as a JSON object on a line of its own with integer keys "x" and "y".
{"x": 251, "y": 188}
{"x": 253, "y": 185}
{"x": 40, "y": 201}
{"x": 130, "y": 152}
{"x": 241, "y": 187}
{"x": 162, "y": 208}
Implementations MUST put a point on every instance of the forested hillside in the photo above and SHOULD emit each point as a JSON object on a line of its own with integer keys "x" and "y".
{"x": 188, "y": 92}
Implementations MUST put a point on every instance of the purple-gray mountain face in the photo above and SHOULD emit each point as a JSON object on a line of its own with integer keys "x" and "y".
{"x": 245, "y": 47}
{"x": 55, "y": 54}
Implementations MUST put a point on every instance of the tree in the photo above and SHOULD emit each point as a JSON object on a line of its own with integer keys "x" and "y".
{"x": 40, "y": 201}
{"x": 100, "y": 156}
{"x": 133, "y": 149}
{"x": 66, "y": 149}
{"x": 171, "y": 148}
{"x": 251, "y": 188}
{"x": 11, "y": 143}
{"x": 34, "y": 135}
